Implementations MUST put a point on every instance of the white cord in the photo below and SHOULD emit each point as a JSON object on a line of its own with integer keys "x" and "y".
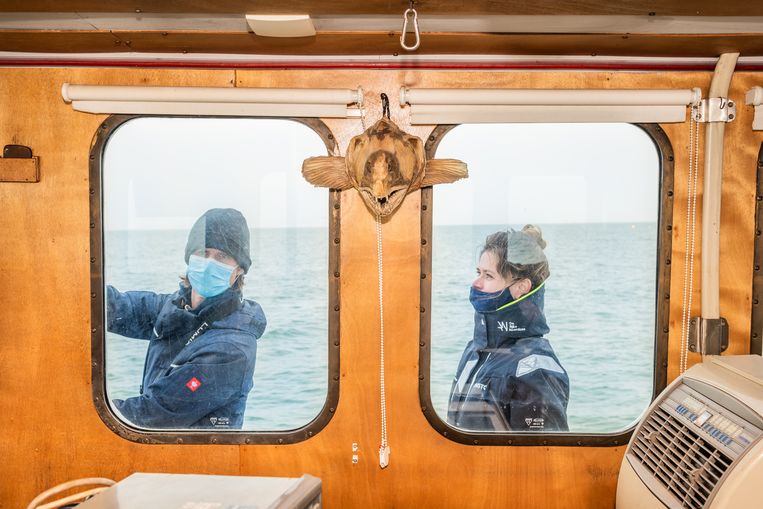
{"x": 691, "y": 222}
{"x": 693, "y": 217}
{"x": 363, "y": 119}
{"x": 384, "y": 446}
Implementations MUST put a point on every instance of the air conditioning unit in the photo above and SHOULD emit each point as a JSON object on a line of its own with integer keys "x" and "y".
{"x": 700, "y": 444}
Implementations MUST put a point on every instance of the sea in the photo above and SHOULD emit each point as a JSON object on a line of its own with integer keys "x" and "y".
{"x": 600, "y": 305}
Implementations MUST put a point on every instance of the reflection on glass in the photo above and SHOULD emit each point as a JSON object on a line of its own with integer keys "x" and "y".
{"x": 509, "y": 378}
{"x": 593, "y": 191}
{"x": 161, "y": 175}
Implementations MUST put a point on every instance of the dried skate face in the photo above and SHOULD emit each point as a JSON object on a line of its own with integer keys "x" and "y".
{"x": 384, "y": 164}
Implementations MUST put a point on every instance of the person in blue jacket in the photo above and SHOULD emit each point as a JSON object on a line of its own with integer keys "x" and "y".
{"x": 202, "y": 339}
{"x": 509, "y": 378}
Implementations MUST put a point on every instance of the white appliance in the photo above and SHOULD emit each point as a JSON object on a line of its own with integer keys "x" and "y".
{"x": 195, "y": 491}
{"x": 700, "y": 444}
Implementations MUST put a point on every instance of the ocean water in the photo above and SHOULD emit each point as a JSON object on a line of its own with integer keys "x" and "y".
{"x": 600, "y": 302}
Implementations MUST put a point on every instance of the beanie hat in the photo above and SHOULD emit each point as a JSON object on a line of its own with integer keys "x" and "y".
{"x": 223, "y": 229}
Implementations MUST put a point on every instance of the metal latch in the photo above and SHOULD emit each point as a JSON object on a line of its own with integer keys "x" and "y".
{"x": 708, "y": 336}
{"x": 716, "y": 109}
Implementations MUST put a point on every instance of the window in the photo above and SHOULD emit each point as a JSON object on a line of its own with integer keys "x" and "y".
{"x": 173, "y": 364}
{"x": 598, "y": 193}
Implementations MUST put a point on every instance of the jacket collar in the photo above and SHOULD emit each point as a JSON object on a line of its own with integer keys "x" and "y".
{"x": 176, "y": 320}
{"x": 520, "y": 318}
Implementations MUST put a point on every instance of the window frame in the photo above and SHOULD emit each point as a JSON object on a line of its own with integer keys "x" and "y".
{"x": 662, "y": 310}
{"x": 98, "y": 310}
{"x": 756, "y": 314}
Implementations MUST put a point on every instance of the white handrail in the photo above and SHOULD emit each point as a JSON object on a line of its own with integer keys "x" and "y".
{"x": 711, "y": 193}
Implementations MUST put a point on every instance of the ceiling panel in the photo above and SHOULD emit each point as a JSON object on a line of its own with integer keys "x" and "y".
{"x": 324, "y": 7}
{"x": 382, "y": 44}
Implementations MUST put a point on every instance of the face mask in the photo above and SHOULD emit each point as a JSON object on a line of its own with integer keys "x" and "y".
{"x": 208, "y": 277}
{"x": 485, "y": 302}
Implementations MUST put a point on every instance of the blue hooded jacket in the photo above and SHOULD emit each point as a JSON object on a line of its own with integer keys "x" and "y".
{"x": 509, "y": 378}
{"x": 199, "y": 364}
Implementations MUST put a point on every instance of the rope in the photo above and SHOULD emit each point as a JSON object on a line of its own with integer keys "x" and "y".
{"x": 691, "y": 223}
{"x": 55, "y": 490}
{"x": 384, "y": 446}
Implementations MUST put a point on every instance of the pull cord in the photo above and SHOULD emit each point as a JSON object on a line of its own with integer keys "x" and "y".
{"x": 691, "y": 224}
{"x": 408, "y": 14}
{"x": 384, "y": 449}
{"x": 363, "y": 119}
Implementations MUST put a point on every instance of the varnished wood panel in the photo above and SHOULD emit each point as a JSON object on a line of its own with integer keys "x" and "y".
{"x": 590, "y": 7}
{"x": 384, "y": 43}
{"x": 20, "y": 170}
{"x": 50, "y": 431}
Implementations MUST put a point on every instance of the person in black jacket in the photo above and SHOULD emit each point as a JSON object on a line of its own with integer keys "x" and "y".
{"x": 509, "y": 378}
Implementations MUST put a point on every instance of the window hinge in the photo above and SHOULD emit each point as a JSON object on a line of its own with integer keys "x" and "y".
{"x": 716, "y": 109}
{"x": 708, "y": 336}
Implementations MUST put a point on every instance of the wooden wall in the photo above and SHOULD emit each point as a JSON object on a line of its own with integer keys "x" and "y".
{"x": 51, "y": 432}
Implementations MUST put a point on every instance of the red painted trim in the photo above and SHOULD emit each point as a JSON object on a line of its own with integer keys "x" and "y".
{"x": 338, "y": 64}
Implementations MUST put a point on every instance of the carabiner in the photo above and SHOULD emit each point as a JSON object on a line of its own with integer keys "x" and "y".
{"x": 415, "y": 30}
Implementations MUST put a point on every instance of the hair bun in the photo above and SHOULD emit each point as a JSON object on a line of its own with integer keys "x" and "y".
{"x": 536, "y": 234}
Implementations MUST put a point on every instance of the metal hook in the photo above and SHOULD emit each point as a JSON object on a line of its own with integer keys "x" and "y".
{"x": 385, "y": 105}
{"x": 415, "y": 29}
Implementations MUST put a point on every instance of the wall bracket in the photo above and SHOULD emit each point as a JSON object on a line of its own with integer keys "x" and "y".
{"x": 717, "y": 109}
{"x": 708, "y": 336}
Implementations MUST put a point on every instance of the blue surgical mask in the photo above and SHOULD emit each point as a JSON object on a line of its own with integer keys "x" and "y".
{"x": 208, "y": 277}
{"x": 487, "y": 302}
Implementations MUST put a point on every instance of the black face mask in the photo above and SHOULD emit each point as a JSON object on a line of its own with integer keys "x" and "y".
{"x": 488, "y": 302}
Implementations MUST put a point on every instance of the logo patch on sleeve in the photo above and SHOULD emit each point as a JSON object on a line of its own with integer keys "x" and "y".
{"x": 193, "y": 384}
{"x": 535, "y": 361}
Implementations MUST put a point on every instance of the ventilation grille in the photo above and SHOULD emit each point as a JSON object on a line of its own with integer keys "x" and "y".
{"x": 685, "y": 464}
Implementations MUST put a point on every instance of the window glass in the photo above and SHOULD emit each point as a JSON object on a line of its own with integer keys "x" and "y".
{"x": 593, "y": 192}
{"x": 180, "y": 196}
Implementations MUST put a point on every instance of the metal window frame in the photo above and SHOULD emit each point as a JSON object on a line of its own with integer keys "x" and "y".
{"x": 97, "y": 312}
{"x": 662, "y": 310}
{"x": 756, "y": 315}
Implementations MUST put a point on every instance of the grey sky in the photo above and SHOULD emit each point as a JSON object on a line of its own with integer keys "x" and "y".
{"x": 164, "y": 173}
{"x": 549, "y": 173}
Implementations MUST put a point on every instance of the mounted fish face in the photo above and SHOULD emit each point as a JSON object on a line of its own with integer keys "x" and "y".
{"x": 381, "y": 180}
{"x": 385, "y": 163}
